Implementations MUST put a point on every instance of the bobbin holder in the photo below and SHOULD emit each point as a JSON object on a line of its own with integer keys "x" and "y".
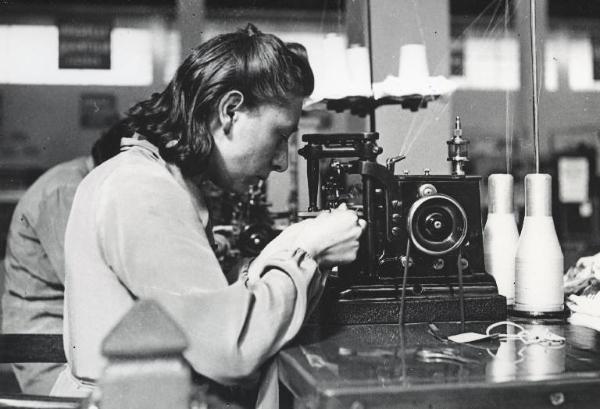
{"x": 439, "y": 215}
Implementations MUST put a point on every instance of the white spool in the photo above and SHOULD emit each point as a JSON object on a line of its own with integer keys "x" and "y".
{"x": 500, "y": 235}
{"x": 336, "y": 71}
{"x": 539, "y": 259}
{"x": 360, "y": 71}
{"x": 413, "y": 63}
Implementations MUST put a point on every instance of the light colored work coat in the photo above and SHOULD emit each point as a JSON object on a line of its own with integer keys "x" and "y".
{"x": 137, "y": 230}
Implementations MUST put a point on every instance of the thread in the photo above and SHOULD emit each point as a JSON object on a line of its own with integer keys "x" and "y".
{"x": 413, "y": 63}
{"x": 541, "y": 359}
{"x": 507, "y": 125}
{"x": 500, "y": 235}
{"x": 336, "y": 73}
{"x": 360, "y": 71}
{"x": 538, "y": 195}
{"x": 535, "y": 99}
{"x": 539, "y": 260}
{"x": 528, "y": 351}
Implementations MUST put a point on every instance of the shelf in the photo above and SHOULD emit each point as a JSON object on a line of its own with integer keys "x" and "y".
{"x": 363, "y": 106}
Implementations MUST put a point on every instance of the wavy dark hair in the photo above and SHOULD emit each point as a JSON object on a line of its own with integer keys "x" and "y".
{"x": 109, "y": 143}
{"x": 263, "y": 68}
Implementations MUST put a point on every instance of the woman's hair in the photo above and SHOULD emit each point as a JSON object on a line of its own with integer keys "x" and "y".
{"x": 109, "y": 143}
{"x": 260, "y": 66}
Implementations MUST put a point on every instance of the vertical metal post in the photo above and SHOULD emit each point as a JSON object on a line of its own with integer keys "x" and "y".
{"x": 372, "y": 126}
{"x": 536, "y": 132}
{"x": 369, "y": 211}
{"x": 368, "y": 199}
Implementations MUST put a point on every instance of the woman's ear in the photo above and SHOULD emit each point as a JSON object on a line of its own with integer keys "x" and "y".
{"x": 228, "y": 105}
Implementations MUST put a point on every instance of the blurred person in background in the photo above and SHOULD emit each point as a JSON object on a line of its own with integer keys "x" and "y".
{"x": 32, "y": 302}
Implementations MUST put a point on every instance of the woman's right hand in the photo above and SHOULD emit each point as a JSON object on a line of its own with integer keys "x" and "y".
{"x": 332, "y": 237}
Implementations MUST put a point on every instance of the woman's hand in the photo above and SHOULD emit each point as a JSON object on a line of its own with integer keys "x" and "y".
{"x": 332, "y": 237}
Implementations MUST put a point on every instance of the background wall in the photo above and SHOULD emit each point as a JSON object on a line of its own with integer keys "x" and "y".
{"x": 46, "y": 118}
{"x": 399, "y": 22}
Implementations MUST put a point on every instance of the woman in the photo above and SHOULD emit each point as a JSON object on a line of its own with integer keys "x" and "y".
{"x": 138, "y": 225}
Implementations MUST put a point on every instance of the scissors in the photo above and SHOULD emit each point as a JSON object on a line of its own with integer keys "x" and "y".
{"x": 447, "y": 355}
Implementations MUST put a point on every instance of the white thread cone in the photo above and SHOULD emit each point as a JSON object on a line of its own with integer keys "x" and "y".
{"x": 500, "y": 235}
{"x": 360, "y": 71}
{"x": 337, "y": 73}
{"x": 413, "y": 63}
{"x": 539, "y": 260}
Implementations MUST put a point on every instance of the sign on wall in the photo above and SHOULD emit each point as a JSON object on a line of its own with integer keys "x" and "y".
{"x": 573, "y": 179}
{"x": 97, "y": 110}
{"x": 84, "y": 44}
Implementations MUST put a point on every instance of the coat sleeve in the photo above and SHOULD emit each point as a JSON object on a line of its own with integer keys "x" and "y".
{"x": 52, "y": 224}
{"x": 152, "y": 238}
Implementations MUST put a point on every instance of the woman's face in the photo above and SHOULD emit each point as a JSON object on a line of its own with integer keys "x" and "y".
{"x": 255, "y": 144}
